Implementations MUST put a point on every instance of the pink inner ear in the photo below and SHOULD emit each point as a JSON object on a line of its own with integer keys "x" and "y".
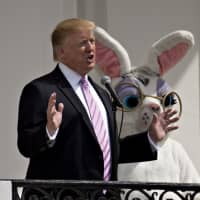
{"x": 171, "y": 57}
{"x": 107, "y": 60}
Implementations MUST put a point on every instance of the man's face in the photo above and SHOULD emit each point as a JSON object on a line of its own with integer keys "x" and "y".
{"x": 78, "y": 51}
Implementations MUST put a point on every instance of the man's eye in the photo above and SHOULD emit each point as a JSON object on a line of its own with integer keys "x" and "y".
{"x": 83, "y": 42}
{"x": 92, "y": 41}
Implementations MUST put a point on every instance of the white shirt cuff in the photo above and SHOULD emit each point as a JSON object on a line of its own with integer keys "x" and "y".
{"x": 52, "y": 137}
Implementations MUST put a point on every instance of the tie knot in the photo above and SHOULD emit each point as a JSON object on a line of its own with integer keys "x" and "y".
{"x": 84, "y": 83}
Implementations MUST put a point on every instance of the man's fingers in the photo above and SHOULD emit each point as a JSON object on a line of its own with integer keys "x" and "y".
{"x": 60, "y": 107}
{"x": 52, "y": 99}
{"x": 51, "y": 110}
{"x": 52, "y": 102}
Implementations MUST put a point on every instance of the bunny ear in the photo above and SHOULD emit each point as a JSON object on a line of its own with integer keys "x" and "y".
{"x": 111, "y": 57}
{"x": 169, "y": 50}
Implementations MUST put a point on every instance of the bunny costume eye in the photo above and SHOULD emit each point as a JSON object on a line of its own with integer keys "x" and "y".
{"x": 132, "y": 96}
{"x": 168, "y": 97}
{"x": 170, "y": 100}
{"x": 131, "y": 101}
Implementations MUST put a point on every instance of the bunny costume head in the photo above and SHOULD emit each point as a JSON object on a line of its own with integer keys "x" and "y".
{"x": 141, "y": 89}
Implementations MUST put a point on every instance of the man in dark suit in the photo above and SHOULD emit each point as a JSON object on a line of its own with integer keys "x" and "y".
{"x": 54, "y": 123}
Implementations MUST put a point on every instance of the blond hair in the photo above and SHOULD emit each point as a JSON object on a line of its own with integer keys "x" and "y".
{"x": 65, "y": 28}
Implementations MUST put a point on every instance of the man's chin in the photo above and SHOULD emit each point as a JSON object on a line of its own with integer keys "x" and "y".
{"x": 91, "y": 66}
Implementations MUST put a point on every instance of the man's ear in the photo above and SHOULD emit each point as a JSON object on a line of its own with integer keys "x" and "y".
{"x": 169, "y": 50}
{"x": 59, "y": 52}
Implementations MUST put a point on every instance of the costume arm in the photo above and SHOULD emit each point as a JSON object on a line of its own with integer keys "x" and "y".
{"x": 136, "y": 148}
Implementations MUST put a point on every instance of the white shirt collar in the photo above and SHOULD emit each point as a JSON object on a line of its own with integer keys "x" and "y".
{"x": 72, "y": 76}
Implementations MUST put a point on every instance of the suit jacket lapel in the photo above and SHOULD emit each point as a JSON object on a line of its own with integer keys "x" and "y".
{"x": 69, "y": 93}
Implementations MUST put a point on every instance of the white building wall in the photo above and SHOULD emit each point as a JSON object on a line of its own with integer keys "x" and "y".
{"x": 25, "y": 53}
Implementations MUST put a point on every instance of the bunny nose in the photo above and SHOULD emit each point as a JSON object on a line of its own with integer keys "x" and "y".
{"x": 155, "y": 107}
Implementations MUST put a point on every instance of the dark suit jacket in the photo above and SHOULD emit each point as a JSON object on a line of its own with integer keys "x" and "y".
{"x": 75, "y": 154}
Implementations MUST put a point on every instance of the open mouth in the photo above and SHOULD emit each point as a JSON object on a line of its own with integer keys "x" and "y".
{"x": 90, "y": 58}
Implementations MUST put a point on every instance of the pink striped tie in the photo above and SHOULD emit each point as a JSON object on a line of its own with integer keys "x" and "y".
{"x": 99, "y": 127}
